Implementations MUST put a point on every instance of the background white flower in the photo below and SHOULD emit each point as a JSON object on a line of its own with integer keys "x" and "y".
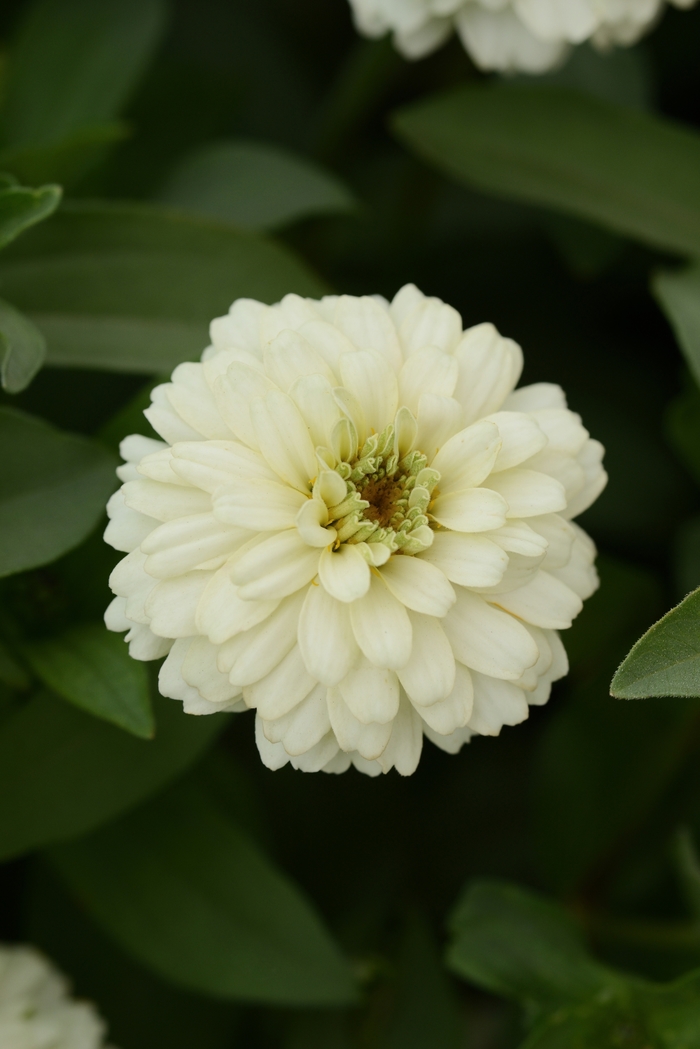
{"x": 36, "y": 1011}
{"x": 530, "y": 36}
{"x": 356, "y": 527}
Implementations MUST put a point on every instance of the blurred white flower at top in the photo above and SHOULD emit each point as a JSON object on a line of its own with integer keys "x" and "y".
{"x": 36, "y": 1010}
{"x": 354, "y": 526}
{"x": 529, "y": 36}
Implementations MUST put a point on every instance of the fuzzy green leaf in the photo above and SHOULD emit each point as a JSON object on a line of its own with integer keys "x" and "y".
{"x": 666, "y": 660}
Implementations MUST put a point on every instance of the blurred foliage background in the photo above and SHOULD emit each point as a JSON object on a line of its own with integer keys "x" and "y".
{"x": 538, "y": 890}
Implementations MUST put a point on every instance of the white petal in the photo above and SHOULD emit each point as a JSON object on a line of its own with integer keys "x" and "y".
{"x": 275, "y": 568}
{"x": 352, "y": 735}
{"x": 559, "y": 535}
{"x": 381, "y": 626}
{"x": 371, "y": 693}
{"x": 579, "y": 572}
{"x": 453, "y": 712}
{"x": 221, "y": 612}
{"x": 313, "y": 396}
{"x": 134, "y": 447}
{"x": 489, "y": 368}
{"x": 116, "y": 617}
{"x": 468, "y": 457}
{"x": 317, "y": 758}
{"x": 258, "y": 505}
{"x": 533, "y": 675}
{"x": 240, "y": 327}
{"x": 172, "y": 604}
{"x": 158, "y": 466}
{"x": 165, "y": 420}
{"x": 305, "y": 726}
{"x": 289, "y": 357}
{"x": 520, "y": 570}
{"x": 291, "y": 312}
{"x": 533, "y": 398}
{"x": 519, "y": 538}
{"x": 129, "y": 579}
{"x": 407, "y": 298}
{"x": 438, "y": 419}
{"x": 189, "y": 542}
{"x": 418, "y": 585}
{"x": 272, "y": 755}
{"x": 405, "y": 744}
{"x": 488, "y": 640}
{"x": 191, "y": 397}
{"x": 338, "y": 764}
{"x": 563, "y": 468}
{"x": 544, "y": 601}
{"x": 527, "y": 492}
{"x": 429, "y": 675}
{"x": 472, "y": 510}
{"x": 344, "y": 573}
{"x": 127, "y": 528}
{"x": 284, "y": 439}
{"x": 451, "y": 744}
{"x": 430, "y": 323}
{"x": 372, "y": 381}
{"x": 563, "y": 429}
{"x": 496, "y": 703}
{"x": 234, "y": 393}
{"x": 326, "y": 639}
{"x": 590, "y": 460}
{"x": 427, "y": 371}
{"x": 143, "y": 643}
{"x": 470, "y": 560}
{"x": 367, "y": 768}
{"x": 171, "y": 683}
{"x": 199, "y": 670}
{"x": 327, "y": 341}
{"x": 521, "y": 438}
{"x": 210, "y": 464}
{"x": 165, "y": 502}
{"x": 282, "y": 689}
{"x": 251, "y": 655}
{"x": 368, "y": 327}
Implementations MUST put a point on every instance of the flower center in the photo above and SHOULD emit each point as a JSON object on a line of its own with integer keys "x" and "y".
{"x": 387, "y": 497}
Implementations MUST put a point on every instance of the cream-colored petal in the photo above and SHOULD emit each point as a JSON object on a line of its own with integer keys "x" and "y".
{"x": 517, "y": 537}
{"x": 353, "y": 735}
{"x": 326, "y": 639}
{"x": 240, "y": 327}
{"x": 489, "y": 368}
{"x": 222, "y": 613}
{"x": 521, "y": 438}
{"x": 451, "y": 744}
{"x": 272, "y": 755}
{"x": 559, "y": 535}
{"x": 191, "y": 397}
{"x": 275, "y": 568}
{"x": 284, "y": 439}
{"x": 304, "y": 727}
{"x": 496, "y": 703}
{"x": 527, "y": 492}
{"x": 470, "y": 560}
{"x": 429, "y": 675}
{"x": 467, "y": 458}
{"x": 472, "y": 510}
{"x": 251, "y": 655}
{"x": 199, "y": 670}
{"x": 429, "y": 370}
{"x": 539, "y": 395}
{"x": 372, "y": 694}
{"x": 344, "y": 573}
{"x": 454, "y": 711}
{"x": 430, "y": 323}
{"x": 158, "y": 467}
{"x": 258, "y": 505}
{"x": 282, "y": 689}
{"x": 234, "y": 393}
{"x": 314, "y": 397}
{"x": 127, "y": 528}
{"x": 166, "y": 421}
{"x": 188, "y": 542}
{"x": 210, "y": 464}
{"x": 369, "y": 327}
{"x": 488, "y": 640}
{"x": 318, "y": 757}
{"x": 165, "y": 502}
{"x": 372, "y": 381}
{"x": 405, "y": 744}
{"x": 290, "y": 357}
{"x": 381, "y": 626}
{"x": 544, "y": 601}
{"x": 438, "y": 419}
{"x": 563, "y": 429}
{"x": 418, "y": 585}
{"x": 172, "y": 604}
{"x": 328, "y": 342}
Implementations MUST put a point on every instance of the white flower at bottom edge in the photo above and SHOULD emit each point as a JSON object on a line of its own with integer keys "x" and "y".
{"x": 354, "y": 526}
{"x": 529, "y": 36}
{"x": 36, "y": 1011}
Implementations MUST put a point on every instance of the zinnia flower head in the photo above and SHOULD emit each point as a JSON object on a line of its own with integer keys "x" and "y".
{"x": 508, "y": 35}
{"x": 36, "y": 1011}
{"x": 356, "y": 527}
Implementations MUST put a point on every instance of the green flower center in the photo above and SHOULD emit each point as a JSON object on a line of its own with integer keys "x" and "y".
{"x": 387, "y": 497}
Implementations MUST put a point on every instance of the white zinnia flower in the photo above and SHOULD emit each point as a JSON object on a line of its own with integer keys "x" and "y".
{"x": 36, "y": 1011}
{"x": 354, "y": 526}
{"x": 508, "y": 35}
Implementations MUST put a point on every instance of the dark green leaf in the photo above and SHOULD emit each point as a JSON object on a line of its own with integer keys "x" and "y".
{"x": 687, "y": 557}
{"x": 63, "y": 772}
{"x": 637, "y": 174}
{"x": 182, "y": 888}
{"x": 22, "y": 349}
{"x": 517, "y": 944}
{"x": 254, "y": 185}
{"x": 142, "y": 1011}
{"x": 688, "y": 864}
{"x": 91, "y": 667}
{"x": 53, "y": 490}
{"x": 679, "y": 297}
{"x": 68, "y": 159}
{"x": 75, "y": 64}
{"x": 666, "y": 660}
{"x": 133, "y": 288}
{"x": 683, "y": 427}
{"x": 21, "y": 207}
{"x": 11, "y": 672}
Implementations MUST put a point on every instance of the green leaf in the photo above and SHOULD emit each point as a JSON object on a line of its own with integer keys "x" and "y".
{"x": 91, "y": 667}
{"x": 678, "y": 294}
{"x": 62, "y": 772}
{"x": 134, "y": 288}
{"x": 666, "y": 660}
{"x": 635, "y": 173}
{"x": 683, "y": 428}
{"x": 518, "y": 944}
{"x": 75, "y": 64}
{"x": 66, "y": 160}
{"x": 21, "y": 207}
{"x": 22, "y": 349}
{"x": 688, "y": 866}
{"x": 184, "y": 890}
{"x": 53, "y": 490}
{"x": 254, "y": 185}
